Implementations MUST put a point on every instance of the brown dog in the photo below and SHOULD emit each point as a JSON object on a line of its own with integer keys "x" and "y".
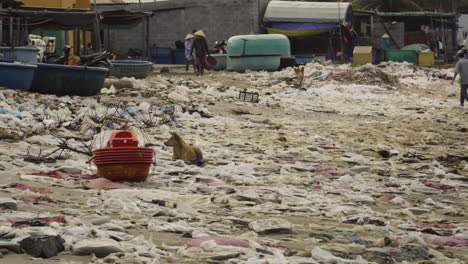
{"x": 299, "y": 75}
{"x": 184, "y": 151}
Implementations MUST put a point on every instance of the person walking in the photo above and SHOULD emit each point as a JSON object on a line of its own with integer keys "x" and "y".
{"x": 462, "y": 68}
{"x": 200, "y": 46}
{"x": 188, "y": 55}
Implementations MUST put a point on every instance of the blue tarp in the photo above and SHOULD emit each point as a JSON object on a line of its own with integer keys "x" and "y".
{"x": 306, "y": 26}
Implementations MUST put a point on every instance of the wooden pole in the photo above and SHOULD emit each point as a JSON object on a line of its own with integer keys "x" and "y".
{"x": 147, "y": 39}
{"x": 85, "y": 45}
{"x": 97, "y": 30}
{"x": 18, "y": 32}
{"x": 1, "y": 31}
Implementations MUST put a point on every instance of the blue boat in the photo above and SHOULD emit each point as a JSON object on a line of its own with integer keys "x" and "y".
{"x": 22, "y": 54}
{"x": 64, "y": 80}
{"x": 16, "y": 76}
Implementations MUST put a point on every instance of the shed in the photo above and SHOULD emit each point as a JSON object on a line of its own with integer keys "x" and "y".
{"x": 307, "y": 12}
{"x": 311, "y": 26}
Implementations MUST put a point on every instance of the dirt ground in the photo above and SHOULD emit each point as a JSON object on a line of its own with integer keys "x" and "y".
{"x": 416, "y": 131}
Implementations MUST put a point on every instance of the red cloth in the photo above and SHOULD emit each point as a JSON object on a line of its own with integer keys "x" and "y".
{"x": 103, "y": 184}
{"x": 444, "y": 241}
{"x": 33, "y": 198}
{"x": 327, "y": 147}
{"x": 45, "y": 220}
{"x": 59, "y": 175}
{"x": 439, "y": 186}
{"x": 24, "y": 187}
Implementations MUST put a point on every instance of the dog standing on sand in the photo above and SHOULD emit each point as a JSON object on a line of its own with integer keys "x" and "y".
{"x": 184, "y": 151}
{"x": 299, "y": 70}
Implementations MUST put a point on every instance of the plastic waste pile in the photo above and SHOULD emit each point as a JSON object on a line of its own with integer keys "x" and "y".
{"x": 337, "y": 171}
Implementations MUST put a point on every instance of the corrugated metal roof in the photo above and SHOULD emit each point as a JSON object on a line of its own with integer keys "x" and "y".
{"x": 123, "y": 2}
{"x": 315, "y": 12}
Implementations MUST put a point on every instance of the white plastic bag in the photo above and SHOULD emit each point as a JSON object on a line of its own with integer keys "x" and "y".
{"x": 452, "y": 91}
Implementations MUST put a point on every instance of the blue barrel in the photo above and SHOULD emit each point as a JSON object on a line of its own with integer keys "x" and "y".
{"x": 68, "y": 80}
{"x": 376, "y": 57}
{"x": 23, "y": 54}
{"x": 16, "y": 76}
{"x": 178, "y": 56}
{"x": 161, "y": 55}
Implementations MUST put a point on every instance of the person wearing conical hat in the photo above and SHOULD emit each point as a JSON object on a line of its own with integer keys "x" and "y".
{"x": 385, "y": 42}
{"x": 200, "y": 46}
{"x": 188, "y": 54}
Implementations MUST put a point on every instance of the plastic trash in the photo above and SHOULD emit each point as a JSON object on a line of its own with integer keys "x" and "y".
{"x": 43, "y": 246}
{"x": 452, "y": 91}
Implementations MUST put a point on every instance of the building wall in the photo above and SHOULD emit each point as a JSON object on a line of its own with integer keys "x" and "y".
{"x": 220, "y": 19}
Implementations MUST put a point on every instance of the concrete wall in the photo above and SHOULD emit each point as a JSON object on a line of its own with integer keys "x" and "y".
{"x": 220, "y": 19}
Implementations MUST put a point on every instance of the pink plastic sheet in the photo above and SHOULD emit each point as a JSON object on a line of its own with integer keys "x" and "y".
{"x": 444, "y": 241}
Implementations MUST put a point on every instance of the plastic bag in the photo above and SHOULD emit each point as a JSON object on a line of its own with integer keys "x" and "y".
{"x": 452, "y": 91}
{"x": 43, "y": 246}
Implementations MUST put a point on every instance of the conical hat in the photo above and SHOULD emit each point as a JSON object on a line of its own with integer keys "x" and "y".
{"x": 200, "y": 33}
{"x": 385, "y": 36}
{"x": 189, "y": 36}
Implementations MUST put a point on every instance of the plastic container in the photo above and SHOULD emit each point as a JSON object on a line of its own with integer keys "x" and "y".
{"x": 221, "y": 59}
{"x": 124, "y": 171}
{"x": 22, "y": 54}
{"x": 426, "y": 59}
{"x": 130, "y": 68}
{"x": 68, "y": 80}
{"x": 160, "y": 55}
{"x": 178, "y": 56}
{"x": 254, "y": 62}
{"x": 16, "y": 76}
{"x": 362, "y": 55}
{"x": 259, "y": 45}
{"x": 257, "y": 52}
{"x": 401, "y": 55}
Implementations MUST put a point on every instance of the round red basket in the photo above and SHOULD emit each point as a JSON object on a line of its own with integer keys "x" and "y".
{"x": 134, "y": 171}
{"x": 123, "y": 160}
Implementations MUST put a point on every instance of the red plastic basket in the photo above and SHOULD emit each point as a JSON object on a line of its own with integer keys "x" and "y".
{"x": 123, "y": 139}
{"x": 125, "y": 156}
{"x": 123, "y": 160}
{"x": 124, "y": 171}
{"x": 118, "y": 149}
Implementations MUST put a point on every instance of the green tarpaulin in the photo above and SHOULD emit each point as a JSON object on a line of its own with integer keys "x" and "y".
{"x": 417, "y": 47}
